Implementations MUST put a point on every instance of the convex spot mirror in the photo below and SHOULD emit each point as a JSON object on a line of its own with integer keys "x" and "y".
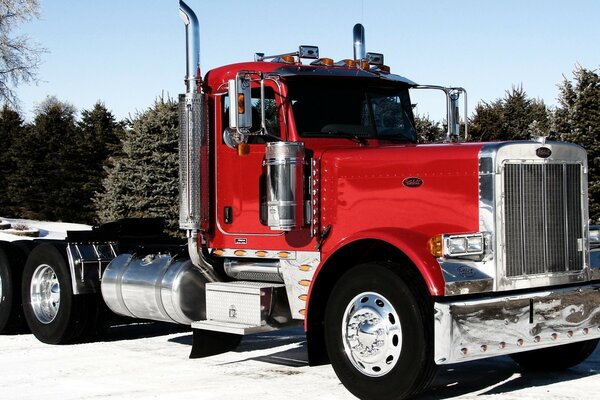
{"x": 240, "y": 104}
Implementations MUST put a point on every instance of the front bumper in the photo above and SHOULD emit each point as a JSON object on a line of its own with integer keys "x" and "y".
{"x": 473, "y": 329}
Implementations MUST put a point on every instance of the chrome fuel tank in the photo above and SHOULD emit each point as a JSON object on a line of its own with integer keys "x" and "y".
{"x": 157, "y": 287}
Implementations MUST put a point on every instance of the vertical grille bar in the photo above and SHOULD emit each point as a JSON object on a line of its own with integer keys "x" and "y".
{"x": 543, "y": 215}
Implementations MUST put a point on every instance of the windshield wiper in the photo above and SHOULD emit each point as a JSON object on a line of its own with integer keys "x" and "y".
{"x": 358, "y": 139}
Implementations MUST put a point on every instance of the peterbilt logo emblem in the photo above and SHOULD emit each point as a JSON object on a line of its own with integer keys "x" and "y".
{"x": 543, "y": 152}
{"x": 412, "y": 182}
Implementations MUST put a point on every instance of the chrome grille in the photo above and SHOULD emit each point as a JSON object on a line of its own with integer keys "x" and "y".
{"x": 543, "y": 218}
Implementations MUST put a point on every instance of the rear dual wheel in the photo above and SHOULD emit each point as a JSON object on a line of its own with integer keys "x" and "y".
{"x": 379, "y": 333}
{"x": 54, "y": 314}
{"x": 12, "y": 259}
{"x": 10, "y": 305}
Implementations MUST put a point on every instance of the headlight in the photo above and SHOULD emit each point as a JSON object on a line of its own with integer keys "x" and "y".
{"x": 446, "y": 245}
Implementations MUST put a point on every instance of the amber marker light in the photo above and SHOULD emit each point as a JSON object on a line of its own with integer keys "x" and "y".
{"x": 350, "y": 63}
{"x": 436, "y": 246}
{"x": 239, "y": 253}
{"x": 241, "y": 103}
{"x": 288, "y": 59}
{"x": 283, "y": 254}
{"x": 243, "y": 149}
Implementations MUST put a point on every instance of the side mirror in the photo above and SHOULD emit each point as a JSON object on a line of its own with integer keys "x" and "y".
{"x": 240, "y": 103}
{"x": 453, "y": 115}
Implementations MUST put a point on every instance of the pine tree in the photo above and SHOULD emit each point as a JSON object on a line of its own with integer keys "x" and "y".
{"x": 516, "y": 117}
{"x": 143, "y": 181}
{"x": 428, "y": 131}
{"x": 99, "y": 134}
{"x": 49, "y": 171}
{"x": 577, "y": 120}
{"x": 11, "y": 128}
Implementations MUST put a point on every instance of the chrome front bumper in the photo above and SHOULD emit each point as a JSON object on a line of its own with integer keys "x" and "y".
{"x": 472, "y": 329}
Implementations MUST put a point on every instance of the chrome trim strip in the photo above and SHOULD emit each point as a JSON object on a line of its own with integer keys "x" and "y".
{"x": 298, "y": 275}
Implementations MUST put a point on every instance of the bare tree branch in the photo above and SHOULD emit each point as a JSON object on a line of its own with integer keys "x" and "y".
{"x": 19, "y": 56}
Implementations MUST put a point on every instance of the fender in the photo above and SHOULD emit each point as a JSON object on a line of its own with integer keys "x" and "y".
{"x": 412, "y": 244}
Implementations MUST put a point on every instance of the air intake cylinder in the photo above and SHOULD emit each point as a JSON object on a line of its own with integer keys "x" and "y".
{"x": 285, "y": 184}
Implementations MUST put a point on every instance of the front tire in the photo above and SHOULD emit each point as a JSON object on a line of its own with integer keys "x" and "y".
{"x": 556, "y": 358}
{"x": 379, "y": 332}
{"x": 53, "y": 313}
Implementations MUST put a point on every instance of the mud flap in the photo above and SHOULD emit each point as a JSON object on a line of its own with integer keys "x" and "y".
{"x": 209, "y": 343}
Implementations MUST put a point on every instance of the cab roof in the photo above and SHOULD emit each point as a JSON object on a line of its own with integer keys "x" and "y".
{"x": 217, "y": 78}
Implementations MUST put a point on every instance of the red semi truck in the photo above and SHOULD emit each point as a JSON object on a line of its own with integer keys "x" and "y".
{"x": 306, "y": 199}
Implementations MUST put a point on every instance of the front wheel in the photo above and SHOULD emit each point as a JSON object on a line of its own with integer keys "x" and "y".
{"x": 379, "y": 332}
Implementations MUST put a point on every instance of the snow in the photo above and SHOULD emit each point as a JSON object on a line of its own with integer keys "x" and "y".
{"x": 47, "y": 230}
{"x": 150, "y": 361}
{"x": 128, "y": 365}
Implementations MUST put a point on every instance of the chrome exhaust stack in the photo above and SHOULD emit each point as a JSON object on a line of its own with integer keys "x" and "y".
{"x": 192, "y": 47}
{"x": 360, "y": 51}
{"x": 193, "y": 147}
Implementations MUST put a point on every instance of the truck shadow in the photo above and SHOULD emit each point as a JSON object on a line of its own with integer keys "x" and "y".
{"x": 292, "y": 339}
{"x": 128, "y": 330}
{"x": 483, "y": 377}
{"x": 500, "y": 375}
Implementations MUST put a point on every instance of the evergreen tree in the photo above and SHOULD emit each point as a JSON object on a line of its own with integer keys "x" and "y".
{"x": 143, "y": 180}
{"x": 577, "y": 119}
{"x": 516, "y": 117}
{"x": 428, "y": 131}
{"x": 49, "y": 166}
{"x": 99, "y": 138}
{"x": 11, "y": 128}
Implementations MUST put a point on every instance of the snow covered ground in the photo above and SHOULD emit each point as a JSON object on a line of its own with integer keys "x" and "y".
{"x": 150, "y": 361}
{"x": 265, "y": 366}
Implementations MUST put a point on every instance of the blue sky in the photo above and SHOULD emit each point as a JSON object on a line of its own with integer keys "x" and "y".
{"x": 125, "y": 53}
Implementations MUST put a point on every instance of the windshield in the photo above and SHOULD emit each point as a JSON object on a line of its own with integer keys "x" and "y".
{"x": 355, "y": 108}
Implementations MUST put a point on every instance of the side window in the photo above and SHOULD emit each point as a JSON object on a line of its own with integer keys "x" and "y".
{"x": 271, "y": 115}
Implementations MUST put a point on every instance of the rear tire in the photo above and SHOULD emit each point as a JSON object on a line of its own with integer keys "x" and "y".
{"x": 53, "y": 313}
{"x": 379, "y": 332}
{"x": 556, "y": 358}
{"x": 12, "y": 260}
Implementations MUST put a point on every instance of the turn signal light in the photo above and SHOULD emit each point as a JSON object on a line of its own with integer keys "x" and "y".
{"x": 436, "y": 246}
{"x": 243, "y": 149}
{"x": 241, "y": 104}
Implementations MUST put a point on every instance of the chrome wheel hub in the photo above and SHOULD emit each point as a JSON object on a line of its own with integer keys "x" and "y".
{"x": 45, "y": 294}
{"x": 372, "y": 334}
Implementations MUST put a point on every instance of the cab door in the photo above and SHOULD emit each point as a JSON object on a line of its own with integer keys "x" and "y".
{"x": 240, "y": 180}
